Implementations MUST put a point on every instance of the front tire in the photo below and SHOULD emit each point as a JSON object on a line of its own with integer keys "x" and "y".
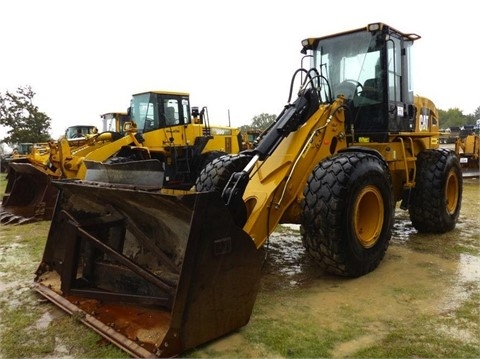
{"x": 203, "y": 160}
{"x": 437, "y": 196}
{"x": 348, "y": 213}
{"x": 215, "y": 175}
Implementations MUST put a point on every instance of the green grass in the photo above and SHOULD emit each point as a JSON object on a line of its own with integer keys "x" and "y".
{"x": 429, "y": 337}
{"x": 21, "y": 308}
{"x": 283, "y": 327}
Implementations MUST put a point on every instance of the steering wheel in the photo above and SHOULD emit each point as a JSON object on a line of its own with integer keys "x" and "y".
{"x": 349, "y": 88}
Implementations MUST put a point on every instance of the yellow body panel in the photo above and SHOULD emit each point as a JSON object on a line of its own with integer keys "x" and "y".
{"x": 278, "y": 182}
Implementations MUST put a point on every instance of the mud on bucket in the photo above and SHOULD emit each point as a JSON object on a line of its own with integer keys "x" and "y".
{"x": 155, "y": 274}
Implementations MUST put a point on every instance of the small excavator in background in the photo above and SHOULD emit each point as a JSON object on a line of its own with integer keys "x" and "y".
{"x": 161, "y": 271}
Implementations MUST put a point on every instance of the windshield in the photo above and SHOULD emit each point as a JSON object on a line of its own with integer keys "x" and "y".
{"x": 142, "y": 111}
{"x": 152, "y": 111}
{"x": 79, "y": 131}
{"x": 348, "y": 62}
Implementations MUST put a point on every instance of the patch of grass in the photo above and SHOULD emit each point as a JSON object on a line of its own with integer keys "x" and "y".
{"x": 18, "y": 343}
{"x": 80, "y": 342}
{"x": 469, "y": 310}
{"x": 21, "y": 250}
{"x": 17, "y": 323}
{"x": 21, "y": 338}
{"x": 448, "y": 245}
{"x": 293, "y": 332}
{"x": 283, "y": 326}
{"x": 453, "y": 333}
{"x": 420, "y": 338}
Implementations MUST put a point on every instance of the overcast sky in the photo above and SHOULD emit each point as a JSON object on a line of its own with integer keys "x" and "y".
{"x": 85, "y": 58}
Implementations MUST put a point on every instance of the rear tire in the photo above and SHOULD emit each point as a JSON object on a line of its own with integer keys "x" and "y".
{"x": 437, "y": 196}
{"x": 348, "y": 213}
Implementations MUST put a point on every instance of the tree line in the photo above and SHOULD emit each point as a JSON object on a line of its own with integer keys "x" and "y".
{"x": 26, "y": 123}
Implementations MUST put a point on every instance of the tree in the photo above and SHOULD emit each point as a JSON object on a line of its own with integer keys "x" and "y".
{"x": 477, "y": 113}
{"x": 24, "y": 121}
{"x": 454, "y": 117}
{"x": 262, "y": 121}
{"x": 259, "y": 122}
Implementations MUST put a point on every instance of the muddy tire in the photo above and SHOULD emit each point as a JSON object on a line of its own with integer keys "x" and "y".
{"x": 437, "y": 196}
{"x": 347, "y": 213}
{"x": 216, "y": 174}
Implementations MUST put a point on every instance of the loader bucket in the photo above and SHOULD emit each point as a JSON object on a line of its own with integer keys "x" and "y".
{"x": 29, "y": 195}
{"x": 155, "y": 274}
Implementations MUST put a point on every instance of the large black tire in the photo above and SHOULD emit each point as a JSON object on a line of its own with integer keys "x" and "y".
{"x": 201, "y": 162}
{"x": 348, "y": 213}
{"x": 437, "y": 196}
{"x": 215, "y": 175}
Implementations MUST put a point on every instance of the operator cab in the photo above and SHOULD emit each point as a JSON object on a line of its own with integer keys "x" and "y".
{"x": 370, "y": 68}
{"x": 114, "y": 121}
{"x": 155, "y": 110}
{"x": 79, "y": 132}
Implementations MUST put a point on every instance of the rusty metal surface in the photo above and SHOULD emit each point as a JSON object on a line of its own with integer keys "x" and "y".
{"x": 86, "y": 314}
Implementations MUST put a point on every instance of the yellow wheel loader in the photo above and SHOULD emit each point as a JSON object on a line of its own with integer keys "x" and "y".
{"x": 28, "y": 195}
{"x": 161, "y": 133}
{"x": 172, "y": 133}
{"x": 467, "y": 148}
{"x": 160, "y": 272}
{"x": 21, "y": 152}
{"x": 114, "y": 121}
{"x": 250, "y": 139}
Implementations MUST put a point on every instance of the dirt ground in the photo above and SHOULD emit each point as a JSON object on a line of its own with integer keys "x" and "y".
{"x": 422, "y": 301}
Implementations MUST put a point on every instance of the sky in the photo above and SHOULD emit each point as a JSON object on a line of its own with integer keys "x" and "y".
{"x": 86, "y": 58}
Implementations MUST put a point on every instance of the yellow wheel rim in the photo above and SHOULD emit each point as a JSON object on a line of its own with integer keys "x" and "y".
{"x": 451, "y": 192}
{"x": 368, "y": 216}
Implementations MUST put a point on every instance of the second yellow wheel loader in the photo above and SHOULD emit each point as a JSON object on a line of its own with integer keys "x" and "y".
{"x": 163, "y": 133}
{"x": 161, "y": 272}
{"x": 28, "y": 194}
{"x": 467, "y": 148}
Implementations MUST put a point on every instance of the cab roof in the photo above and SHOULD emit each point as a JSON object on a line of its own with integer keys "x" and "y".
{"x": 311, "y": 42}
